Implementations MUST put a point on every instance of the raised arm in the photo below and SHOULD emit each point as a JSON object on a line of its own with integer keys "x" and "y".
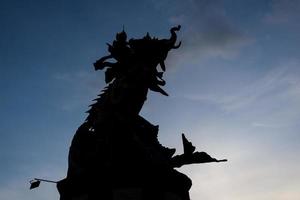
{"x": 191, "y": 157}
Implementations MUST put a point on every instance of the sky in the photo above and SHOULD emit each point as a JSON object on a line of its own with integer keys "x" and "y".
{"x": 234, "y": 89}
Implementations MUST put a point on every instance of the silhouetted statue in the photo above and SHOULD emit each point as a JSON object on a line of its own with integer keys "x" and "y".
{"x": 115, "y": 153}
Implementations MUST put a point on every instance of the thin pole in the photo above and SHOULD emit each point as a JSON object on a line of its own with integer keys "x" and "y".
{"x": 44, "y": 180}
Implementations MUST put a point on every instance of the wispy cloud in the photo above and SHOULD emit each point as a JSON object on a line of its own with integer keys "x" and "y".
{"x": 207, "y": 29}
{"x": 266, "y": 125}
{"x": 283, "y": 12}
{"x": 281, "y": 82}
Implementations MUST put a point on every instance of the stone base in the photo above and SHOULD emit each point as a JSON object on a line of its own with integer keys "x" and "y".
{"x": 137, "y": 194}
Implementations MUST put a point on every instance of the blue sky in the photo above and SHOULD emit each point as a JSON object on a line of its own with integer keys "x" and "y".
{"x": 234, "y": 89}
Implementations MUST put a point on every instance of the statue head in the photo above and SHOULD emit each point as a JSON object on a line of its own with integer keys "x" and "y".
{"x": 137, "y": 61}
{"x": 121, "y": 37}
{"x": 150, "y": 52}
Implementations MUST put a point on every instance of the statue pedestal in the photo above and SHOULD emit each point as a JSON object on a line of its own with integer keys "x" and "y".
{"x": 139, "y": 194}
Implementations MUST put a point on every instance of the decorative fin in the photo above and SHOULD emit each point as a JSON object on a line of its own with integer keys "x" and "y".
{"x": 161, "y": 82}
{"x": 162, "y": 65}
{"x": 188, "y": 147}
{"x": 156, "y": 88}
{"x": 159, "y": 75}
{"x": 109, "y": 75}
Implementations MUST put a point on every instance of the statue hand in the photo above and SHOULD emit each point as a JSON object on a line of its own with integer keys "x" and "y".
{"x": 194, "y": 158}
{"x": 202, "y": 157}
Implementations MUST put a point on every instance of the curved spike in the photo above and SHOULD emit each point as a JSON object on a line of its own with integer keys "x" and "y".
{"x": 173, "y": 37}
{"x": 110, "y": 47}
{"x": 159, "y": 75}
{"x": 177, "y": 46}
{"x": 148, "y": 37}
{"x": 161, "y": 82}
{"x": 162, "y": 65}
{"x": 176, "y": 28}
{"x": 156, "y": 88}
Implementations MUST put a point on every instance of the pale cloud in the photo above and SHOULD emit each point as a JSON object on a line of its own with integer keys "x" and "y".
{"x": 256, "y": 169}
{"x": 254, "y": 181}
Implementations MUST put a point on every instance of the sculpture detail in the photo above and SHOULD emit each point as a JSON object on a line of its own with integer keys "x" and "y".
{"x": 117, "y": 150}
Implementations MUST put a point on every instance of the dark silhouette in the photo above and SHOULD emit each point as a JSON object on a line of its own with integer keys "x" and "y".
{"x": 115, "y": 153}
{"x": 34, "y": 183}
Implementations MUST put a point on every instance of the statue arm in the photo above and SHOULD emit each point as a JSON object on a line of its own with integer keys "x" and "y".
{"x": 191, "y": 157}
{"x": 101, "y": 63}
{"x": 194, "y": 158}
